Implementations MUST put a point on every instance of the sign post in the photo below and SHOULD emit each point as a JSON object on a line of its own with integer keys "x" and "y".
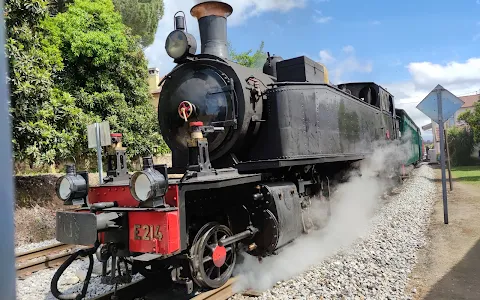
{"x": 448, "y": 160}
{"x": 440, "y": 105}
{"x": 98, "y": 137}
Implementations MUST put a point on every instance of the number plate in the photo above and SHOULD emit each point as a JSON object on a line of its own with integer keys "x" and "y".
{"x": 147, "y": 232}
{"x": 154, "y": 232}
{"x": 76, "y": 228}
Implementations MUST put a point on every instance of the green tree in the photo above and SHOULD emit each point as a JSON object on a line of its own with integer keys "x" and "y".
{"x": 45, "y": 120}
{"x": 472, "y": 118}
{"x": 141, "y": 16}
{"x": 106, "y": 71}
{"x": 460, "y": 145}
{"x": 249, "y": 58}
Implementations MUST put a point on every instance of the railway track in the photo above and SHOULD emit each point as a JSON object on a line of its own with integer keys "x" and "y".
{"x": 142, "y": 290}
{"x": 42, "y": 258}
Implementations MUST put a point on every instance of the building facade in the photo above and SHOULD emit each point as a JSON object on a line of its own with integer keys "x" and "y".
{"x": 153, "y": 82}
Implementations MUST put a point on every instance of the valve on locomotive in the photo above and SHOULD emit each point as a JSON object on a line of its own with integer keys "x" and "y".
{"x": 198, "y": 155}
{"x": 116, "y": 159}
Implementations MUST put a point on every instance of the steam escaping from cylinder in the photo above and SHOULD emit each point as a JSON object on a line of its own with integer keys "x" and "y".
{"x": 353, "y": 204}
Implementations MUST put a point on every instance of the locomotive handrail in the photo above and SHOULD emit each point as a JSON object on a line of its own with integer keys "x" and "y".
{"x": 297, "y": 83}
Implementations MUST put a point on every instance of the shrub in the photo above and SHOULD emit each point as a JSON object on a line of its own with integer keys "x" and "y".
{"x": 460, "y": 145}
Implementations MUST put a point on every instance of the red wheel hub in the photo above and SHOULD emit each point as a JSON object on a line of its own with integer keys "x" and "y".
{"x": 219, "y": 256}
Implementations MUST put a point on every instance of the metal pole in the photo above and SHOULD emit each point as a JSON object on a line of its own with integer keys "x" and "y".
{"x": 442, "y": 156}
{"x": 7, "y": 249}
{"x": 448, "y": 160}
{"x": 99, "y": 153}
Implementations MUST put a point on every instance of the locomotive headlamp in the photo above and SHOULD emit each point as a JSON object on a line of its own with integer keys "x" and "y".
{"x": 148, "y": 185}
{"x": 72, "y": 187}
{"x": 176, "y": 44}
{"x": 180, "y": 43}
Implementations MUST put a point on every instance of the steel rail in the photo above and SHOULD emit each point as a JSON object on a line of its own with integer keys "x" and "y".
{"x": 142, "y": 288}
{"x": 42, "y": 258}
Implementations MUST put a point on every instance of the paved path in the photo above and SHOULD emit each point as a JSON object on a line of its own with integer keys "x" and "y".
{"x": 449, "y": 265}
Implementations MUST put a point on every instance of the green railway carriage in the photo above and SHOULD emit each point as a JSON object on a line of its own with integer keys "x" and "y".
{"x": 410, "y": 131}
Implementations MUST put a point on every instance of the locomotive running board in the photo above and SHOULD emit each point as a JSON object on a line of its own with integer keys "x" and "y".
{"x": 294, "y": 161}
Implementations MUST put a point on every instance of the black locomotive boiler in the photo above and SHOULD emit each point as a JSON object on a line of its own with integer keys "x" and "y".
{"x": 251, "y": 150}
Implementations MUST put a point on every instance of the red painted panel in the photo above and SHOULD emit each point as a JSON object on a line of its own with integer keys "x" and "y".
{"x": 171, "y": 198}
{"x": 154, "y": 232}
{"x": 124, "y": 198}
{"x": 121, "y": 194}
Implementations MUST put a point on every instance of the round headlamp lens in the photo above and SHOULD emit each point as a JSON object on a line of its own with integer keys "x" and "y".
{"x": 64, "y": 189}
{"x": 143, "y": 187}
{"x": 176, "y": 44}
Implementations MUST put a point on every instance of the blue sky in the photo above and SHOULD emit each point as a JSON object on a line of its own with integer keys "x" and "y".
{"x": 406, "y": 46}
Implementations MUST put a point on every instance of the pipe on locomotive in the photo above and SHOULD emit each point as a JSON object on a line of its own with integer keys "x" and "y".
{"x": 212, "y": 22}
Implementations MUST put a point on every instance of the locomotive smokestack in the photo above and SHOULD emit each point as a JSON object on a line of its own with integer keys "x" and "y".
{"x": 212, "y": 22}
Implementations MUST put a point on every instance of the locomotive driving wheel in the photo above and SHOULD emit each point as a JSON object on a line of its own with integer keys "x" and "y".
{"x": 212, "y": 265}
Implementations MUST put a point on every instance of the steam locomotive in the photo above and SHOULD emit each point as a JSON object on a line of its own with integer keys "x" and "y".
{"x": 251, "y": 149}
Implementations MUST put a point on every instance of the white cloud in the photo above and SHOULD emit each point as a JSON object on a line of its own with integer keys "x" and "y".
{"x": 242, "y": 10}
{"x": 326, "y": 57}
{"x": 458, "y": 75}
{"x": 346, "y": 63}
{"x": 460, "y": 78}
{"x": 319, "y": 18}
{"x": 348, "y": 49}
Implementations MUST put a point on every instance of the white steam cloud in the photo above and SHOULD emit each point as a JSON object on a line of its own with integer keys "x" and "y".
{"x": 353, "y": 203}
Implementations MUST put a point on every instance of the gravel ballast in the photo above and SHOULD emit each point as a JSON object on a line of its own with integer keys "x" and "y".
{"x": 375, "y": 266}
{"x": 37, "y": 285}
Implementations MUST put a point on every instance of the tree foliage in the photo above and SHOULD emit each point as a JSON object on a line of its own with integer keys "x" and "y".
{"x": 472, "y": 118}
{"x": 460, "y": 146}
{"x": 249, "y": 58}
{"x": 45, "y": 119}
{"x": 67, "y": 71}
{"x": 106, "y": 71}
{"x": 141, "y": 16}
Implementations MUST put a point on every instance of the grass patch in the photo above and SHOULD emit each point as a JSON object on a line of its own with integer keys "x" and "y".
{"x": 467, "y": 174}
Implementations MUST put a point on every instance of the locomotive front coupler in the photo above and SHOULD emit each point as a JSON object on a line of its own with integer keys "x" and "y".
{"x": 104, "y": 253}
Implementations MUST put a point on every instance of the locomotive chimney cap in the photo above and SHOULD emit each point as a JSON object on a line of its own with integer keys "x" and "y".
{"x": 211, "y": 8}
